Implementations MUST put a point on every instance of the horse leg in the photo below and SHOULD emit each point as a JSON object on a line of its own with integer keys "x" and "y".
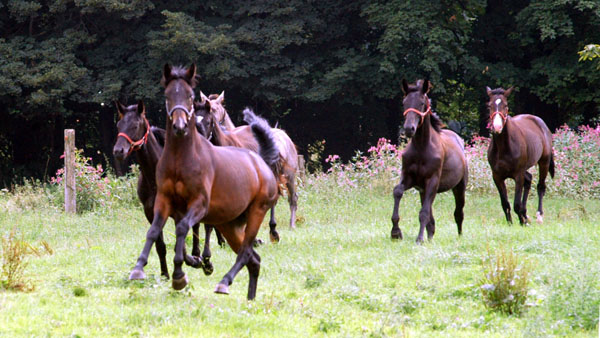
{"x": 246, "y": 254}
{"x": 206, "y": 254}
{"x": 431, "y": 224}
{"x": 161, "y": 211}
{"x": 459, "y": 199}
{"x": 196, "y": 240}
{"x": 519, "y": 182}
{"x": 195, "y": 213}
{"x": 425, "y": 215}
{"x": 161, "y": 249}
{"x": 526, "y": 187}
{"x": 541, "y": 190}
{"x": 292, "y": 199}
{"x": 399, "y": 189}
{"x": 272, "y": 227}
{"x": 503, "y": 197}
{"x": 220, "y": 239}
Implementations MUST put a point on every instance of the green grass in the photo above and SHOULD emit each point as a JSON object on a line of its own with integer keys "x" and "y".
{"x": 337, "y": 274}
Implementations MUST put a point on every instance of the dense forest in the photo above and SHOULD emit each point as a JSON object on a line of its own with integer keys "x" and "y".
{"x": 323, "y": 70}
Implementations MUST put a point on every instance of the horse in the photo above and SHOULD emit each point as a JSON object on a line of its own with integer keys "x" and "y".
{"x": 218, "y": 104}
{"x": 209, "y": 110}
{"x": 517, "y": 144}
{"x": 229, "y": 187}
{"x": 432, "y": 162}
{"x": 133, "y": 125}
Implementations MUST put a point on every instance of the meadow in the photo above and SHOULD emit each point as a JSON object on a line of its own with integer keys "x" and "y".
{"x": 337, "y": 274}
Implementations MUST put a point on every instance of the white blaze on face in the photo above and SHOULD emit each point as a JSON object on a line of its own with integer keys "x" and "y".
{"x": 498, "y": 121}
{"x": 199, "y": 119}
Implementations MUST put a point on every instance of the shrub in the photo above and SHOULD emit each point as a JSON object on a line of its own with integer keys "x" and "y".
{"x": 576, "y": 153}
{"x": 504, "y": 285}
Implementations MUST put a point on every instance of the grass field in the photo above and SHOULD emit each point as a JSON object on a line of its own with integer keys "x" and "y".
{"x": 337, "y": 274}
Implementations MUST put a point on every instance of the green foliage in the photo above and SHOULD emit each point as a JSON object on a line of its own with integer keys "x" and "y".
{"x": 590, "y": 52}
{"x": 14, "y": 262}
{"x": 505, "y": 283}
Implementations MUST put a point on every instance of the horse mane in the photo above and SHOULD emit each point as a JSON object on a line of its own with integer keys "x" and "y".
{"x": 436, "y": 122}
{"x": 498, "y": 91}
{"x": 179, "y": 72}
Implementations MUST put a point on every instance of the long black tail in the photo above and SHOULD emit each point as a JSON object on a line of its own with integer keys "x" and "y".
{"x": 264, "y": 136}
{"x": 551, "y": 165}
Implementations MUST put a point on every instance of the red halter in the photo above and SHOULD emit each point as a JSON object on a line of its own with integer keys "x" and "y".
{"x": 420, "y": 113}
{"x": 502, "y": 115}
{"x": 136, "y": 145}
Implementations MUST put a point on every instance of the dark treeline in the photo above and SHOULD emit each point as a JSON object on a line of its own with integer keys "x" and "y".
{"x": 324, "y": 70}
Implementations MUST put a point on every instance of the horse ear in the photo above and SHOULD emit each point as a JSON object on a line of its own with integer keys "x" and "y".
{"x": 120, "y": 109}
{"x": 508, "y": 91}
{"x": 166, "y": 76}
{"x": 141, "y": 109}
{"x": 221, "y": 99}
{"x": 405, "y": 86}
{"x": 426, "y": 86}
{"x": 488, "y": 90}
{"x": 203, "y": 97}
{"x": 190, "y": 75}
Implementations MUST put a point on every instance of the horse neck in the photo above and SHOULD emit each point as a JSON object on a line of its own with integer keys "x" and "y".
{"x": 149, "y": 155}
{"x": 424, "y": 133}
{"x": 181, "y": 145}
{"x": 221, "y": 138}
{"x": 502, "y": 141}
{"x": 227, "y": 122}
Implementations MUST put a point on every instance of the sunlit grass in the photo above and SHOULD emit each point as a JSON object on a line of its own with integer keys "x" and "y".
{"x": 338, "y": 273}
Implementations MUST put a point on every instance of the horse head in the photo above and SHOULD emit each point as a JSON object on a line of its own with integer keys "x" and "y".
{"x": 179, "y": 86}
{"x": 416, "y": 105}
{"x": 204, "y": 117}
{"x": 498, "y": 106}
{"x": 133, "y": 129}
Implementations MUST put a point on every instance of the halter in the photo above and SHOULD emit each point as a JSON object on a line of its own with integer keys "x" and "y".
{"x": 189, "y": 112}
{"x": 502, "y": 115}
{"x": 136, "y": 145}
{"x": 420, "y": 113}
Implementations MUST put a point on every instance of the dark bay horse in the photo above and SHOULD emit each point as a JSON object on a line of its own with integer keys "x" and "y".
{"x": 209, "y": 110}
{"x": 136, "y": 135}
{"x": 229, "y": 187}
{"x": 433, "y": 161}
{"x": 517, "y": 144}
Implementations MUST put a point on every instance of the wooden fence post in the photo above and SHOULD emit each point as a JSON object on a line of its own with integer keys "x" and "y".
{"x": 70, "y": 191}
{"x": 301, "y": 167}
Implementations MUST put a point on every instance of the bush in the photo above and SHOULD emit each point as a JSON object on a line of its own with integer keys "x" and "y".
{"x": 504, "y": 285}
{"x": 576, "y": 153}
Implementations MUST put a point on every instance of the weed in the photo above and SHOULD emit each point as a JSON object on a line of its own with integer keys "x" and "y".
{"x": 14, "y": 251}
{"x": 504, "y": 286}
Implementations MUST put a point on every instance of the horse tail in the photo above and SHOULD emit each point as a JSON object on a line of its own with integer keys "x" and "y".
{"x": 551, "y": 165}
{"x": 268, "y": 149}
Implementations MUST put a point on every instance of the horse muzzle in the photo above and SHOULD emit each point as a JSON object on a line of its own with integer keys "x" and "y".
{"x": 409, "y": 131}
{"x": 180, "y": 127}
{"x": 120, "y": 153}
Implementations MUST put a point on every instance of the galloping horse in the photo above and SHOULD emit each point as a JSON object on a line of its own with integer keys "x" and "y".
{"x": 517, "y": 144}
{"x": 432, "y": 162}
{"x": 133, "y": 125}
{"x": 209, "y": 111}
{"x": 229, "y": 187}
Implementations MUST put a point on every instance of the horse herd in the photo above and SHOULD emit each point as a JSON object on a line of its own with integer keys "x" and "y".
{"x": 202, "y": 168}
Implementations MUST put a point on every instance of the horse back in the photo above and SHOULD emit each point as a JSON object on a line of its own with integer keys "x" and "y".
{"x": 536, "y": 136}
{"x": 241, "y": 178}
{"x": 454, "y": 167}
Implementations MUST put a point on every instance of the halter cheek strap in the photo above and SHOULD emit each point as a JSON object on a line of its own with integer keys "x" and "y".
{"x": 502, "y": 115}
{"x": 420, "y": 113}
{"x": 136, "y": 145}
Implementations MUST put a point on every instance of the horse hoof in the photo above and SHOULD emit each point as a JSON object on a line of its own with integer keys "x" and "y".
{"x": 274, "y": 237}
{"x": 222, "y": 289}
{"x": 419, "y": 241}
{"x": 396, "y": 234}
{"x": 539, "y": 217}
{"x": 137, "y": 275}
{"x": 257, "y": 242}
{"x": 208, "y": 268}
{"x": 180, "y": 283}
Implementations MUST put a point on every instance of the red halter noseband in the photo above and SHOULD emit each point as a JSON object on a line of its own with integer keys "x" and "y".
{"x": 420, "y": 113}
{"x": 136, "y": 145}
